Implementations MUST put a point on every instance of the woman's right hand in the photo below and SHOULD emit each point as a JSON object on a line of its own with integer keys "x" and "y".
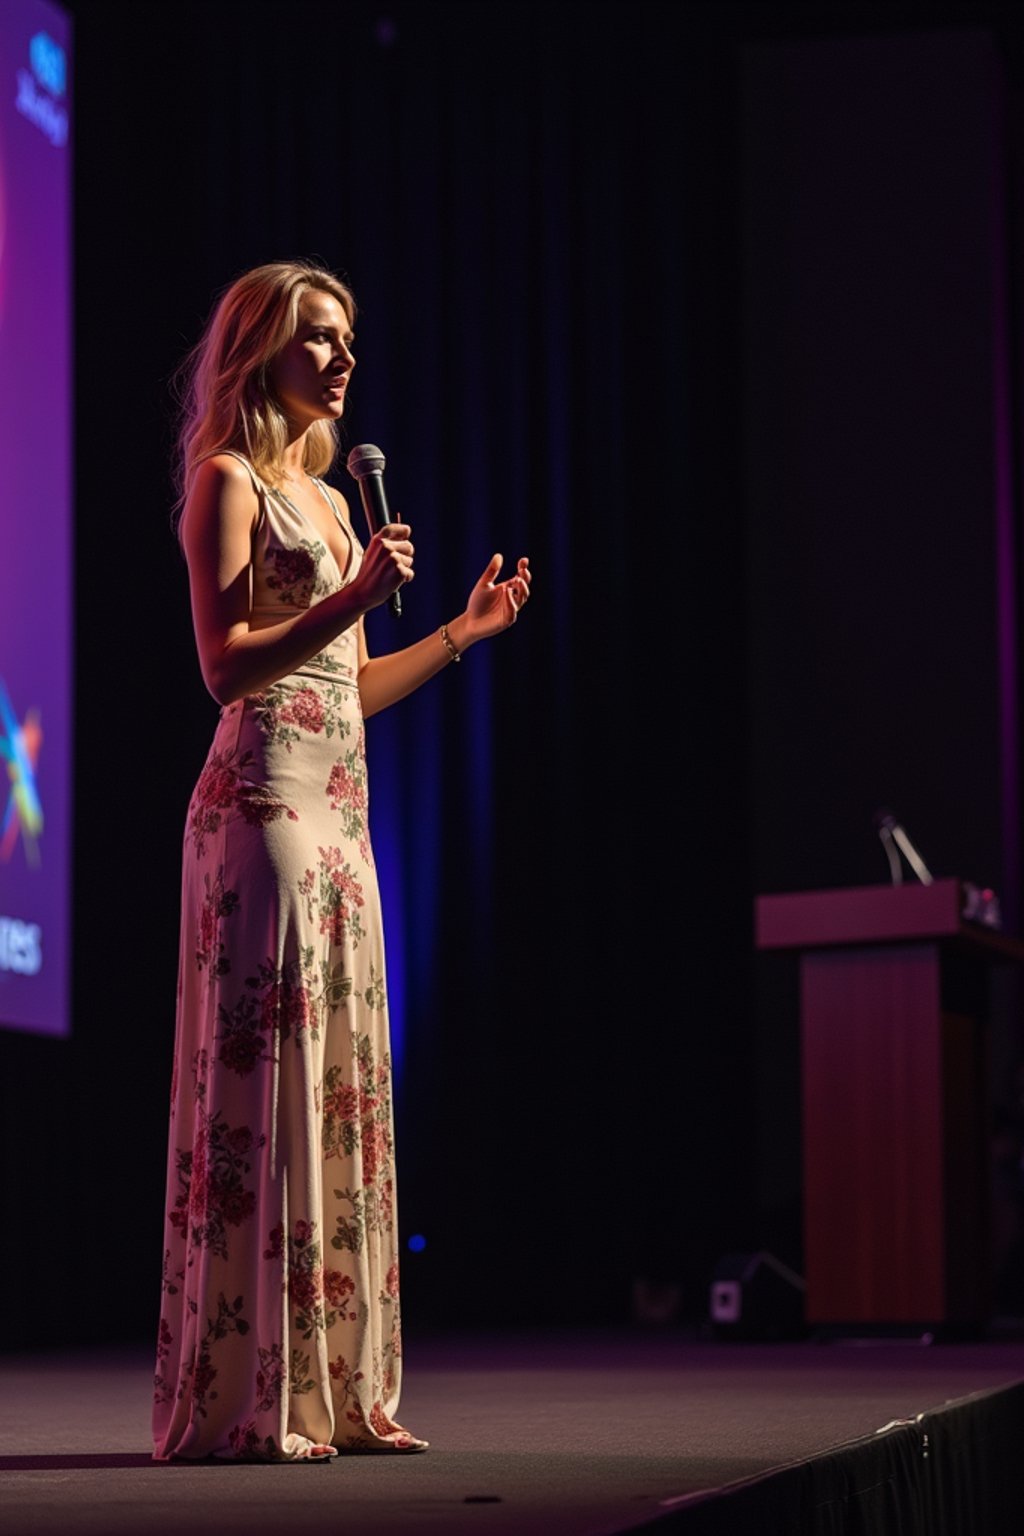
{"x": 387, "y": 564}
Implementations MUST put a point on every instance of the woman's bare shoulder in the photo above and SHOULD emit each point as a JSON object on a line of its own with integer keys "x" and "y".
{"x": 223, "y": 491}
{"x": 226, "y": 468}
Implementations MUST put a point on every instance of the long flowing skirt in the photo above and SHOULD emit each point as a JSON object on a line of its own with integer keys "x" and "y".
{"x": 280, "y": 1324}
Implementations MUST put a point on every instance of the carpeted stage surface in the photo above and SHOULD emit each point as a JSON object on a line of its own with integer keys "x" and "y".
{"x": 582, "y": 1435}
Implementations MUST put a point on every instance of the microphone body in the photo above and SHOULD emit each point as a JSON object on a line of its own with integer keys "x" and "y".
{"x": 890, "y": 831}
{"x": 366, "y": 466}
{"x": 888, "y": 843}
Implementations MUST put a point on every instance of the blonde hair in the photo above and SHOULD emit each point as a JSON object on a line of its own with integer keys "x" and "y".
{"x": 223, "y": 385}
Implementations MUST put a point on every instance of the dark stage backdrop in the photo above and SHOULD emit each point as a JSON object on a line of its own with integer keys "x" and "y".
{"x": 881, "y": 419}
{"x": 540, "y": 208}
{"x": 534, "y": 207}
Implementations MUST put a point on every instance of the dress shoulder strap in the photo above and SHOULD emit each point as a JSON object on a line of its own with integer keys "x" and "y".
{"x": 258, "y": 485}
{"x": 327, "y": 493}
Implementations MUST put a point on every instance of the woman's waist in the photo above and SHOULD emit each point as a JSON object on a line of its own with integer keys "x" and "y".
{"x": 337, "y": 662}
{"x": 338, "y": 659}
{"x": 321, "y": 670}
{"x": 310, "y": 707}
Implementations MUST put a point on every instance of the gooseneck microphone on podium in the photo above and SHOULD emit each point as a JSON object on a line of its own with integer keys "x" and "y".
{"x": 894, "y": 837}
{"x": 366, "y": 465}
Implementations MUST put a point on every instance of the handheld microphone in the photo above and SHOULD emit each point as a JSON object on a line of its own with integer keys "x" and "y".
{"x": 366, "y": 465}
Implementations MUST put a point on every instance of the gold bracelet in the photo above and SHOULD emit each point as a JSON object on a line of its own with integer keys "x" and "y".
{"x": 447, "y": 642}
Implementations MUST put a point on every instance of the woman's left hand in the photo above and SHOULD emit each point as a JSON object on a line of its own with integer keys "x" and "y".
{"x": 494, "y": 605}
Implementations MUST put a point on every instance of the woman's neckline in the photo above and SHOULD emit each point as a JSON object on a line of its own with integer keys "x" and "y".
{"x": 342, "y": 572}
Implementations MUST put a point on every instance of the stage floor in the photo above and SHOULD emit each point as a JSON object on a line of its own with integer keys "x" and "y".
{"x": 589, "y": 1434}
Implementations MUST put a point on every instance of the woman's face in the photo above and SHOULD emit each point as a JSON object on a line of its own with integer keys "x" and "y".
{"x": 311, "y": 372}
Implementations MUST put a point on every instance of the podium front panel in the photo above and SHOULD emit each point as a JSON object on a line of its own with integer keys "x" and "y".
{"x": 873, "y": 1134}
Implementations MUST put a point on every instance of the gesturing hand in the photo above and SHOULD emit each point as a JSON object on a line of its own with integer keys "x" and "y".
{"x": 494, "y": 605}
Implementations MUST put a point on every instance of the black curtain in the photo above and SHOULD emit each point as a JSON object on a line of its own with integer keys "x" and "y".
{"x": 535, "y": 207}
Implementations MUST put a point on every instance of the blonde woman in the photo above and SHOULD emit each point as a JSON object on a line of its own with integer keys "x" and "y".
{"x": 279, "y": 1334}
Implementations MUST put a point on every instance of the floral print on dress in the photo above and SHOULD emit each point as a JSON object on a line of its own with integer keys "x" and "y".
{"x": 212, "y": 1192}
{"x": 223, "y": 787}
{"x": 295, "y": 574}
{"x": 246, "y": 1444}
{"x": 287, "y": 713}
{"x": 279, "y": 1004}
{"x": 219, "y": 902}
{"x": 280, "y": 1317}
{"x": 333, "y": 896}
{"x": 357, "y": 1115}
{"x": 270, "y": 1378}
{"x": 327, "y": 662}
{"x": 286, "y": 998}
{"x": 347, "y": 793}
{"x": 242, "y": 1044}
{"x": 385, "y": 1372}
{"x": 306, "y": 1279}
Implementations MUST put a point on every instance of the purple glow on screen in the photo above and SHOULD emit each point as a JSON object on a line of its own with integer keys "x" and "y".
{"x": 35, "y": 515}
{"x": 1006, "y": 544}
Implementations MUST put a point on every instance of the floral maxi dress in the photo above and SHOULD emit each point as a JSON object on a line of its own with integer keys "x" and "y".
{"x": 279, "y": 1325}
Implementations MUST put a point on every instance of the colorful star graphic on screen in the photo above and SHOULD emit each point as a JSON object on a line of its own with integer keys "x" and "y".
{"x": 19, "y": 750}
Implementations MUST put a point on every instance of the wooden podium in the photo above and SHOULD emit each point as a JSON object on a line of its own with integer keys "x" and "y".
{"x": 894, "y": 1004}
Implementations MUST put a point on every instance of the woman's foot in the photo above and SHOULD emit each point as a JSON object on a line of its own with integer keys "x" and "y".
{"x": 406, "y": 1442}
{"x": 317, "y": 1453}
{"x": 398, "y": 1443}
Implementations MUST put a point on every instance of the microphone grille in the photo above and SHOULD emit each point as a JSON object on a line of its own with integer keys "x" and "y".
{"x": 365, "y": 459}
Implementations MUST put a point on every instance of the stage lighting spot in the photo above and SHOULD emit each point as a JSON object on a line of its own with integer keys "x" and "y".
{"x": 417, "y": 1243}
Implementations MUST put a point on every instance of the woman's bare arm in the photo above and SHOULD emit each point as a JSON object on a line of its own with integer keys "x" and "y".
{"x": 492, "y": 607}
{"x": 383, "y": 680}
{"x": 217, "y": 530}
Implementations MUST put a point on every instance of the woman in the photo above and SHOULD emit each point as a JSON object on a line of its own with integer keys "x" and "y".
{"x": 279, "y": 1334}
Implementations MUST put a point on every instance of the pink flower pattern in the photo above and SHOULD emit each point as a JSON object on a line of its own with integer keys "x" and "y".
{"x": 288, "y": 713}
{"x": 334, "y": 895}
{"x": 278, "y": 1003}
{"x": 219, "y": 903}
{"x": 294, "y": 574}
{"x": 224, "y": 787}
{"x": 212, "y": 1194}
